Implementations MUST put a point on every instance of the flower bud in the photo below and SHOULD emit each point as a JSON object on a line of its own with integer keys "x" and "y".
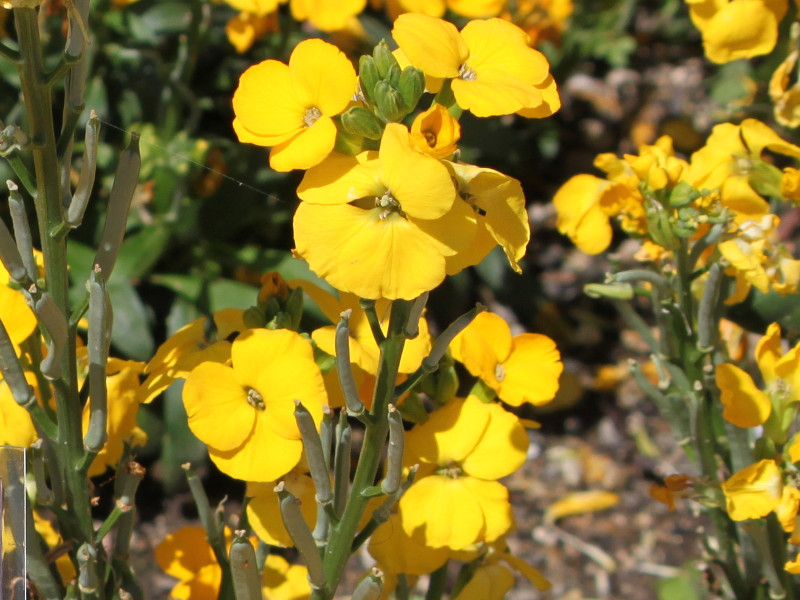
{"x": 391, "y": 105}
{"x": 393, "y": 75}
{"x": 682, "y": 194}
{"x": 659, "y": 225}
{"x": 384, "y": 59}
{"x": 614, "y": 291}
{"x": 766, "y": 179}
{"x": 411, "y": 85}
{"x": 361, "y": 121}
{"x": 368, "y": 77}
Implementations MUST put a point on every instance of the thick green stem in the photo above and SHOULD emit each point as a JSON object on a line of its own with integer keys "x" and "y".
{"x": 49, "y": 212}
{"x": 343, "y": 533}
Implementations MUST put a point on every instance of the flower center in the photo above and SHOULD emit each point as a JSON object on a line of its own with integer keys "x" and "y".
{"x": 467, "y": 73}
{"x": 452, "y": 470}
{"x": 430, "y": 138}
{"x": 499, "y": 372}
{"x": 311, "y": 116}
{"x": 388, "y": 204}
{"x": 255, "y": 399}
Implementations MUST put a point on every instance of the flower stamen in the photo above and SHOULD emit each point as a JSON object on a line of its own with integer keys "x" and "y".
{"x": 467, "y": 73}
{"x": 255, "y": 399}
{"x": 499, "y": 372}
{"x": 311, "y": 116}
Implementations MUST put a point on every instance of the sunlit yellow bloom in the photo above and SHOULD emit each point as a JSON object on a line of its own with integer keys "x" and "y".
{"x": 787, "y": 509}
{"x": 15, "y": 314}
{"x": 737, "y": 28}
{"x": 727, "y": 159}
{"x": 498, "y": 208}
{"x": 123, "y": 398}
{"x": 245, "y": 28}
{"x": 786, "y": 98}
{"x": 397, "y": 552}
{"x": 522, "y": 368}
{"x": 245, "y": 412}
{"x": 364, "y": 351}
{"x": 380, "y": 225}
{"x": 790, "y": 184}
{"x": 493, "y": 69}
{"x": 493, "y": 578}
{"x": 754, "y": 491}
{"x": 477, "y": 8}
{"x": 188, "y": 347}
{"x": 436, "y": 132}
{"x": 582, "y": 205}
{"x": 462, "y": 450}
{"x": 264, "y": 511}
{"x": 327, "y": 15}
{"x": 187, "y": 556}
{"x": 291, "y": 107}
{"x": 53, "y": 540}
{"x": 745, "y": 404}
{"x": 16, "y": 426}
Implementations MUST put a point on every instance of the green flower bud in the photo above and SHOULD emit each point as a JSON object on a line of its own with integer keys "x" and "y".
{"x": 346, "y": 142}
{"x": 411, "y": 86}
{"x": 391, "y": 105}
{"x": 683, "y": 194}
{"x": 384, "y": 59}
{"x": 368, "y": 77}
{"x": 766, "y": 179}
{"x": 659, "y": 224}
{"x": 613, "y": 291}
{"x": 360, "y": 121}
{"x": 393, "y": 76}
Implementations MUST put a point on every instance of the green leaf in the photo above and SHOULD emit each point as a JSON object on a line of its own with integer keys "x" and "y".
{"x": 131, "y": 330}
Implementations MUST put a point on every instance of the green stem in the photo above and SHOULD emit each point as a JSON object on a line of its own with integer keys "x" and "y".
{"x": 437, "y": 582}
{"x": 343, "y": 533}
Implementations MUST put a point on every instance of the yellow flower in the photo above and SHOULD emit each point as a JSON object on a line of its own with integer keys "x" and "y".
{"x": 364, "y": 351}
{"x": 187, "y": 556}
{"x": 576, "y": 503}
{"x": 327, "y": 15}
{"x": 187, "y": 348}
{"x": 793, "y": 566}
{"x": 436, "y": 132}
{"x": 264, "y": 511}
{"x": 122, "y": 385}
{"x": 17, "y": 317}
{"x": 16, "y": 426}
{"x": 787, "y": 509}
{"x": 477, "y": 8}
{"x": 745, "y": 404}
{"x": 291, "y": 108}
{"x": 245, "y": 28}
{"x": 523, "y": 368}
{"x": 786, "y": 98}
{"x": 492, "y": 68}
{"x": 790, "y": 184}
{"x": 397, "y": 552}
{"x": 582, "y": 213}
{"x": 734, "y": 29}
{"x": 380, "y": 225}
{"x": 754, "y": 491}
{"x": 493, "y": 578}
{"x": 498, "y": 209}
{"x": 463, "y": 449}
{"x": 245, "y": 412}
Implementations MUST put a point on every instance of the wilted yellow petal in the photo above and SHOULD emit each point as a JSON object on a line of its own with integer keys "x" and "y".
{"x": 577, "y": 503}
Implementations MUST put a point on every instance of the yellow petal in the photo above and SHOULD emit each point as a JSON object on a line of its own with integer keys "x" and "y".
{"x": 577, "y": 503}
{"x": 450, "y": 434}
{"x": 264, "y": 456}
{"x": 580, "y": 216}
{"x": 503, "y": 447}
{"x": 264, "y": 512}
{"x": 484, "y": 344}
{"x": 308, "y": 148}
{"x": 264, "y": 102}
{"x": 531, "y": 371}
{"x": 441, "y": 512}
{"x": 768, "y": 352}
{"x": 489, "y": 582}
{"x": 322, "y": 76}
{"x": 216, "y": 406}
{"x": 359, "y": 252}
{"x": 397, "y": 552}
{"x": 430, "y": 193}
{"x": 745, "y": 404}
{"x": 754, "y": 491}
{"x": 432, "y": 45}
{"x": 493, "y": 499}
{"x": 340, "y": 179}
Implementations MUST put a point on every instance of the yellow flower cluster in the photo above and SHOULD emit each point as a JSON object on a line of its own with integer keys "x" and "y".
{"x": 667, "y": 201}
{"x": 387, "y": 210}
